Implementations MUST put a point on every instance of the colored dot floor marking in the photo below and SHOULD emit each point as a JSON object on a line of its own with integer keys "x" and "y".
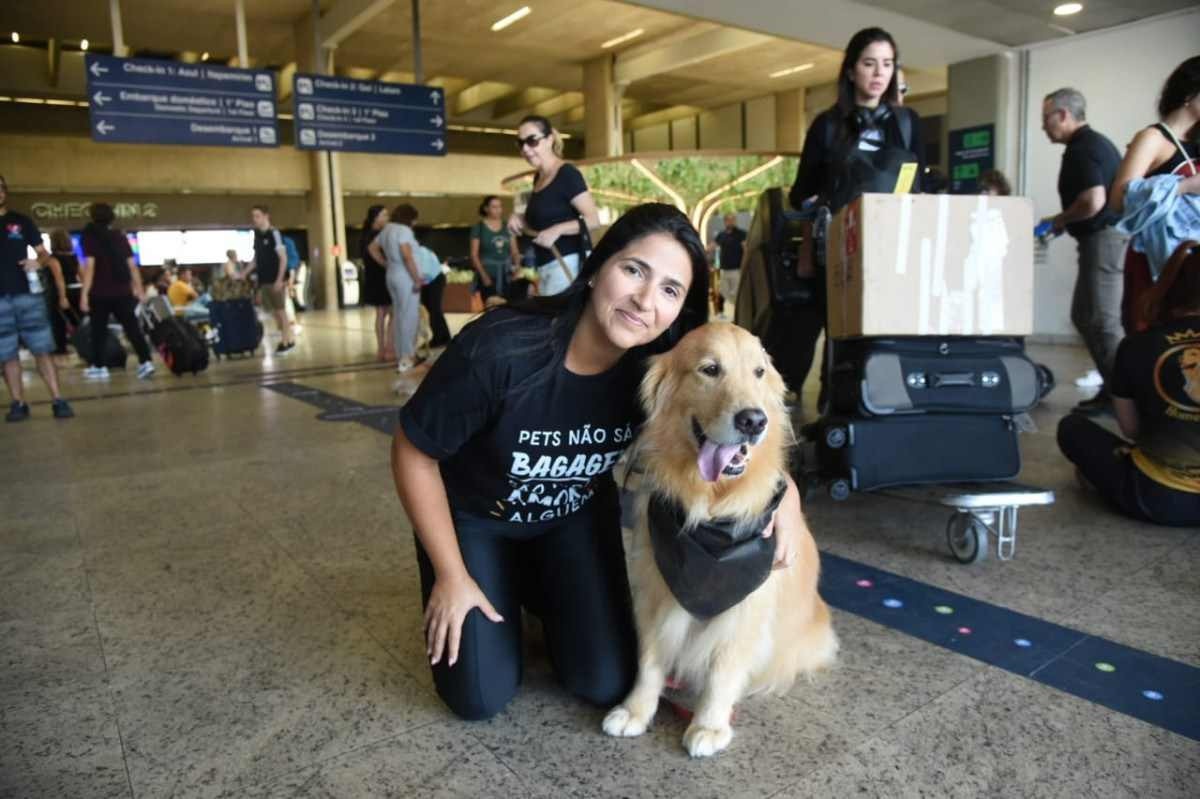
{"x": 892, "y": 603}
{"x": 945, "y": 610}
{"x": 1025, "y": 643}
{"x": 1107, "y": 668}
{"x": 964, "y": 630}
{"x": 1064, "y": 659}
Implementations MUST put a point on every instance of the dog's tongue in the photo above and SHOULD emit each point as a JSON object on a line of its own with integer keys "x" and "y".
{"x": 714, "y": 458}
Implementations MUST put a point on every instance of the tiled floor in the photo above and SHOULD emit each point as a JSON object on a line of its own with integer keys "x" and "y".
{"x": 205, "y": 591}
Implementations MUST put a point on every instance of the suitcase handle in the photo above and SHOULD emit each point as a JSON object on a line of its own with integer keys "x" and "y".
{"x": 953, "y": 379}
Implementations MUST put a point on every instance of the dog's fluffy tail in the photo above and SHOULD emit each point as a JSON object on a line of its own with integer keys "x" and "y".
{"x": 810, "y": 648}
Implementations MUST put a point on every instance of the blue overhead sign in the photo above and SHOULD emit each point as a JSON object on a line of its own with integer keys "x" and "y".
{"x": 148, "y": 101}
{"x": 368, "y": 116}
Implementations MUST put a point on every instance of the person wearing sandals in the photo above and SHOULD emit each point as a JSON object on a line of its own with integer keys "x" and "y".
{"x": 375, "y": 290}
{"x": 560, "y": 209}
{"x": 494, "y": 252}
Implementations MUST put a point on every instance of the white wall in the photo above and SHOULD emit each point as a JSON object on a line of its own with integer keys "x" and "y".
{"x": 1120, "y": 72}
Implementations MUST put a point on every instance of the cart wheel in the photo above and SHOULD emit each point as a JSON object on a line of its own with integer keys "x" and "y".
{"x": 839, "y": 490}
{"x": 835, "y": 437}
{"x": 967, "y": 537}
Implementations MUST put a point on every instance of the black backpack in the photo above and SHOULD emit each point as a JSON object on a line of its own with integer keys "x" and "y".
{"x": 857, "y": 171}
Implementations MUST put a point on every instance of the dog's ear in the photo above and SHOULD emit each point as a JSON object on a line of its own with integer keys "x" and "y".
{"x": 657, "y": 385}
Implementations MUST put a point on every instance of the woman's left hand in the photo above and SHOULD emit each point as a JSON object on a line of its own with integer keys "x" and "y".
{"x": 546, "y": 238}
{"x": 787, "y": 519}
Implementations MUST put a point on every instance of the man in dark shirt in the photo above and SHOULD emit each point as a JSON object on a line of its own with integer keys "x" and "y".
{"x": 730, "y": 242}
{"x": 22, "y": 313}
{"x": 270, "y": 264}
{"x": 1089, "y": 165}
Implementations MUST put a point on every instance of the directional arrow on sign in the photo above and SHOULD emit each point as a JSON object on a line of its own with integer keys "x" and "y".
{"x": 439, "y": 144}
{"x": 435, "y": 95}
{"x": 437, "y": 121}
{"x": 97, "y": 70}
{"x": 100, "y": 99}
{"x": 103, "y": 127}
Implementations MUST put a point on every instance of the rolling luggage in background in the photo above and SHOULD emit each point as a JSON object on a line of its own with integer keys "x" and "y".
{"x": 179, "y": 343}
{"x": 237, "y": 326}
{"x": 870, "y": 453}
{"x": 885, "y": 376}
{"x": 115, "y": 355}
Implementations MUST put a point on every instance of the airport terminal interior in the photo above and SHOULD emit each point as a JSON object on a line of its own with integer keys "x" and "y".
{"x": 208, "y": 584}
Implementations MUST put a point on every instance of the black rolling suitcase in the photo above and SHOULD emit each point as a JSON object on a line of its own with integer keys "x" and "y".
{"x": 179, "y": 343}
{"x": 115, "y": 355}
{"x": 877, "y": 377}
{"x": 860, "y": 454}
{"x": 238, "y": 328}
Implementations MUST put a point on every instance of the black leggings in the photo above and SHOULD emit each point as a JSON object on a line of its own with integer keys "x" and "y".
{"x": 431, "y": 298}
{"x": 123, "y": 308}
{"x": 1104, "y": 462}
{"x": 573, "y": 576}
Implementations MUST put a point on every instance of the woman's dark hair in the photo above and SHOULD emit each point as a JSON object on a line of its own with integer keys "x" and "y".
{"x": 847, "y": 103}
{"x": 637, "y": 223}
{"x": 547, "y": 130}
{"x": 486, "y": 202}
{"x": 60, "y": 241}
{"x": 1178, "y": 288}
{"x": 1182, "y": 85}
{"x": 369, "y": 222}
{"x": 994, "y": 179}
{"x": 405, "y": 214}
{"x": 102, "y": 214}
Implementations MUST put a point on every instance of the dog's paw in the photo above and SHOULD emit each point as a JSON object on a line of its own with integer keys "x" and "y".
{"x": 706, "y": 741}
{"x": 620, "y": 723}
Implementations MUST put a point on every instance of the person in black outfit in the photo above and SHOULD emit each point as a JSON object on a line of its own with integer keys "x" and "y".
{"x": 63, "y": 252}
{"x": 1153, "y": 476}
{"x": 1089, "y": 166}
{"x": 503, "y": 458}
{"x": 856, "y": 145}
{"x": 731, "y": 243}
{"x": 560, "y": 207}
{"x": 111, "y": 286}
{"x": 375, "y": 290}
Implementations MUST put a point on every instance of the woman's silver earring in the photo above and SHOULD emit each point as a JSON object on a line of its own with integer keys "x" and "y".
{"x": 592, "y": 283}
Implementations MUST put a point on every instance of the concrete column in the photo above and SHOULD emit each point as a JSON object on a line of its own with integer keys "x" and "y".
{"x": 791, "y": 121}
{"x": 602, "y": 109}
{"x": 982, "y": 91}
{"x": 326, "y": 210}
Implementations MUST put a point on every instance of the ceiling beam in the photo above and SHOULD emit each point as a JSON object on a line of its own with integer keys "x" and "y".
{"x": 489, "y": 91}
{"x": 683, "y": 53}
{"x": 521, "y": 101}
{"x": 663, "y": 115}
{"x": 348, "y": 16}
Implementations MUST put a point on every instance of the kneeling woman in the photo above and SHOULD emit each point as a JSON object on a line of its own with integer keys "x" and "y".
{"x": 1156, "y": 398}
{"x": 503, "y": 461}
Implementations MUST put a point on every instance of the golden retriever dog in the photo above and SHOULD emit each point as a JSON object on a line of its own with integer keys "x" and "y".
{"x": 714, "y": 445}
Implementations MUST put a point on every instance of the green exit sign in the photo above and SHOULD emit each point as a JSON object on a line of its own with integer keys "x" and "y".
{"x": 965, "y": 172}
{"x": 980, "y": 138}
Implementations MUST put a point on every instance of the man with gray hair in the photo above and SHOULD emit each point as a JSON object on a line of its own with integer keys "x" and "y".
{"x": 1089, "y": 165}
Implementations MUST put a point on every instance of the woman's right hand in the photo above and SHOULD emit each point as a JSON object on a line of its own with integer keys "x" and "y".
{"x": 487, "y": 280}
{"x": 516, "y": 224}
{"x": 84, "y": 305}
{"x": 449, "y": 603}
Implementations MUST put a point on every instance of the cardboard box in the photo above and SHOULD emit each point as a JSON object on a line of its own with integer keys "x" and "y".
{"x": 929, "y": 265}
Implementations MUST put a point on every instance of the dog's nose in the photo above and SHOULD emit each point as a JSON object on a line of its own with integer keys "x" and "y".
{"x": 750, "y": 421}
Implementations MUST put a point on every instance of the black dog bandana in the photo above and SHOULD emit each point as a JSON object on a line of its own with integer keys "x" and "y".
{"x": 716, "y": 564}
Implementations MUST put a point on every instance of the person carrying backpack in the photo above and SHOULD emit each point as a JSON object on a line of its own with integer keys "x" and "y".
{"x": 862, "y": 143}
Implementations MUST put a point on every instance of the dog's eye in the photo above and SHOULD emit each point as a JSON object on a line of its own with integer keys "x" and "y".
{"x": 759, "y": 372}
{"x": 711, "y": 369}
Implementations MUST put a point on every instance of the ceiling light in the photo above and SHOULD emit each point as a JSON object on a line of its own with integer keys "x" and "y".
{"x": 520, "y": 13}
{"x": 1067, "y": 9}
{"x": 792, "y": 70}
{"x": 16, "y": 37}
{"x": 83, "y": 45}
{"x": 623, "y": 39}
{"x": 204, "y": 56}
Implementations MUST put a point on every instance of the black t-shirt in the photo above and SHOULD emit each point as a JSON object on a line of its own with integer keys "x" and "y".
{"x": 110, "y": 253}
{"x": 552, "y": 206}
{"x": 824, "y": 151}
{"x": 19, "y": 233}
{"x": 1090, "y": 160}
{"x": 70, "y": 267}
{"x": 520, "y": 439}
{"x": 730, "y": 242}
{"x": 1160, "y": 371}
{"x": 266, "y": 256}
